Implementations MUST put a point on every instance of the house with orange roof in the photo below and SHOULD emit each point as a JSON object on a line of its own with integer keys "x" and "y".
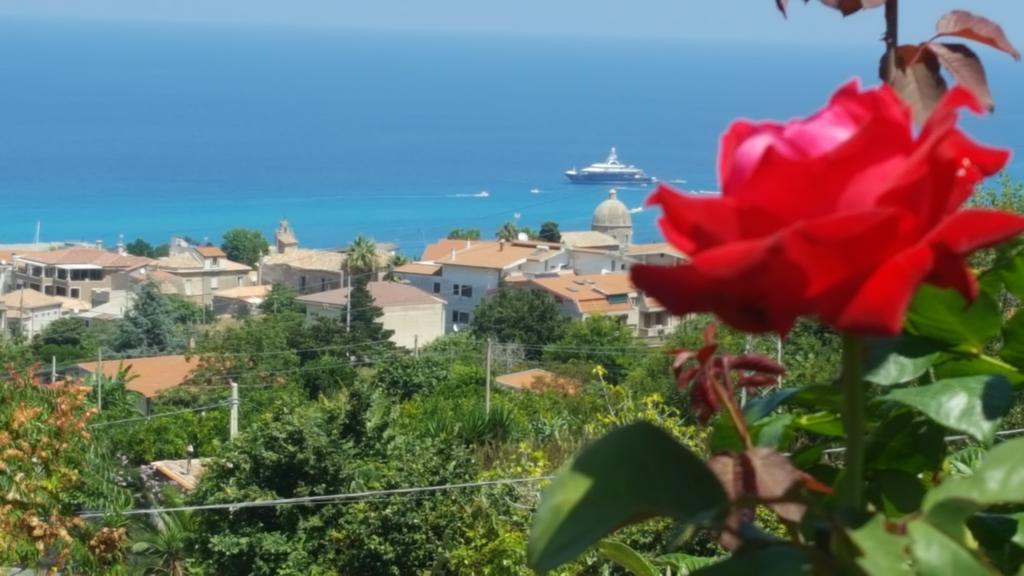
{"x": 73, "y": 272}
{"x": 29, "y": 312}
{"x": 613, "y": 295}
{"x": 148, "y": 377}
{"x": 196, "y": 272}
{"x": 463, "y": 272}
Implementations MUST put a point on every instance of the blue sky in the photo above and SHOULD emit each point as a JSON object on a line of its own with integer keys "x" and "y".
{"x": 727, "y": 20}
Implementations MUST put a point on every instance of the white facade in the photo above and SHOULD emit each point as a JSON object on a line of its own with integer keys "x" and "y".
{"x": 412, "y": 324}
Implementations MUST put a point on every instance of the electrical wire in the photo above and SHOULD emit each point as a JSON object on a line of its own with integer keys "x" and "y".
{"x": 325, "y": 499}
{"x": 159, "y": 415}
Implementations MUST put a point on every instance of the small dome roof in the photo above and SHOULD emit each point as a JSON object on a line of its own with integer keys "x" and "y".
{"x": 612, "y": 213}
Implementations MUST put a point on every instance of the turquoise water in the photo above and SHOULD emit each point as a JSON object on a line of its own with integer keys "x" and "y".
{"x": 158, "y": 130}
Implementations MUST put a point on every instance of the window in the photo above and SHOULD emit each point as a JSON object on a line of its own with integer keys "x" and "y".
{"x": 323, "y": 284}
{"x": 188, "y": 287}
{"x": 76, "y": 292}
{"x": 467, "y": 291}
{"x": 34, "y": 287}
{"x": 62, "y": 273}
{"x": 455, "y": 289}
{"x": 437, "y": 287}
{"x": 214, "y": 283}
{"x": 460, "y": 317}
{"x": 618, "y": 298}
{"x": 240, "y": 281}
{"x": 302, "y": 282}
{"x": 49, "y": 272}
{"x": 37, "y": 271}
{"x": 61, "y": 291}
{"x": 48, "y": 290}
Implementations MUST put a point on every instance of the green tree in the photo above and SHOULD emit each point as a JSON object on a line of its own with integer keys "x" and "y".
{"x": 362, "y": 256}
{"x": 403, "y": 376}
{"x": 598, "y": 340}
{"x": 245, "y": 245}
{"x": 549, "y": 232}
{"x": 464, "y": 234}
{"x": 514, "y": 315}
{"x": 281, "y": 300}
{"x": 148, "y": 327}
{"x": 66, "y": 339}
{"x": 140, "y": 247}
{"x": 366, "y": 332}
{"x": 507, "y": 232}
{"x": 160, "y": 543}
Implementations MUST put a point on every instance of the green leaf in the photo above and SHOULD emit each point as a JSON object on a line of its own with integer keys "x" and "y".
{"x": 1013, "y": 341}
{"x": 881, "y": 552}
{"x": 999, "y": 480}
{"x": 762, "y": 406}
{"x": 974, "y": 366}
{"x": 936, "y": 554}
{"x": 770, "y": 561}
{"x": 823, "y": 423}
{"x": 906, "y": 441}
{"x": 973, "y": 405}
{"x": 632, "y": 473}
{"x": 943, "y": 315}
{"x": 773, "y": 431}
{"x": 684, "y": 564}
{"x": 899, "y": 360}
{"x": 724, "y": 437}
{"x": 896, "y": 492}
{"x": 627, "y": 558}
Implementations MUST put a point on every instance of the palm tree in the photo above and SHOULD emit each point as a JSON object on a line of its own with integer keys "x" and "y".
{"x": 161, "y": 543}
{"x": 396, "y": 261}
{"x": 362, "y": 255}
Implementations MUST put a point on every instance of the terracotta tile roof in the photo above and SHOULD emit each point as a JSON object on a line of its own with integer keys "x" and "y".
{"x": 7, "y": 256}
{"x": 385, "y": 294}
{"x": 590, "y": 292}
{"x": 493, "y": 255}
{"x": 536, "y": 380}
{"x": 211, "y": 252}
{"x": 86, "y": 256}
{"x": 244, "y": 292}
{"x": 187, "y": 262}
{"x": 28, "y": 299}
{"x": 443, "y": 249}
{"x": 589, "y": 239}
{"x": 153, "y": 375}
{"x": 654, "y": 248}
{"x": 419, "y": 268}
{"x": 182, "y": 472}
{"x": 73, "y": 304}
{"x": 307, "y": 259}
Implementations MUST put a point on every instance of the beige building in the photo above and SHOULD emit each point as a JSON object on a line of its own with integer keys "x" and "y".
{"x": 614, "y": 295}
{"x": 463, "y": 272}
{"x": 241, "y": 301}
{"x": 416, "y": 317}
{"x": 309, "y": 270}
{"x": 196, "y": 272}
{"x": 73, "y": 272}
{"x": 29, "y": 312}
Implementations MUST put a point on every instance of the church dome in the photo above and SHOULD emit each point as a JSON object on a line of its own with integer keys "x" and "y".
{"x": 611, "y": 213}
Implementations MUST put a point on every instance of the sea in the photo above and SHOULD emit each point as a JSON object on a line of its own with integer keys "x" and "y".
{"x": 112, "y": 131}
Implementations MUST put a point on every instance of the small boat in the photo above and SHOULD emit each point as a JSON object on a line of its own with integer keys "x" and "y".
{"x": 636, "y": 210}
{"x": 482, "y": 194}
{"x": 534, "y": 190}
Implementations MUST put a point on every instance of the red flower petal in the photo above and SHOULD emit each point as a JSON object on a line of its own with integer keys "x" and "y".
{"x": 880, "y": 304}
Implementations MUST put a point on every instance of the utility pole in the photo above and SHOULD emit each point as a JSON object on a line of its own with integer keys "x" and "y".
{"x": 53, "y": 369}
{"x": 487, "y": 397}
{"x": 416, "y": 345}
{"x": 234, "y": 410}
{"x": 99, "y": 379}
{"x": 348, "y": 300}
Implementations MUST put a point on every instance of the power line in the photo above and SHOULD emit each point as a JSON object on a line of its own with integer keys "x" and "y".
{"x": 159, "y": 415}
{"x": 325, "y": 499}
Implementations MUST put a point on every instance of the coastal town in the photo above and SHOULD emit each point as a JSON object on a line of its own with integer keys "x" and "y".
{"x": 586, "y": 272}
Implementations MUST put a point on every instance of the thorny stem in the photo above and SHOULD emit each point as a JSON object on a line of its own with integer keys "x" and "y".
{"x": 891, "y": 24}
{"x": 729, "y": 402}
{"x": 854, "y": 402}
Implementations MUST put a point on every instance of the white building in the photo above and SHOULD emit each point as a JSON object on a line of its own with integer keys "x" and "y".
{"x": 415, "y": 316}
{"x": 464, "y": 272}
{"x": 29, "y": 312}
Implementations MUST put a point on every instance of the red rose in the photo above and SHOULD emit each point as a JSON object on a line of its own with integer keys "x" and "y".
{"x": 841, "y": 215}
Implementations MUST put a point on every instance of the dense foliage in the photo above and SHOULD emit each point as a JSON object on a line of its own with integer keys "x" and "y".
{"x": 245, "y": 246}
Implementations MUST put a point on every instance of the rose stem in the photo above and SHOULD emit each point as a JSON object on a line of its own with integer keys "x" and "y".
{"x": 729, "y": 402}
{"x": 852, "y": 381}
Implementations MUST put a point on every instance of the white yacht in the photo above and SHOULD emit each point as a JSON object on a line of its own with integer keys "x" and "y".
{"x": 611, "y": 171}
